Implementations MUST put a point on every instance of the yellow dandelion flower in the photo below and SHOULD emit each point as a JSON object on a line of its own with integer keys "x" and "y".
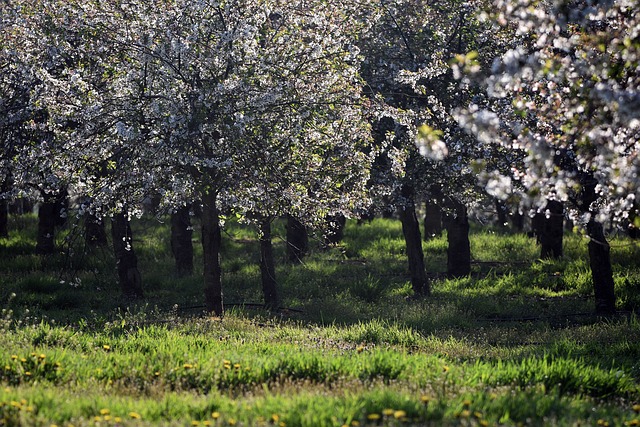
{"x": 117, "y": 420}
{"x": 42, "y": 356}
{"x": 275, "y": 418}
{"x": 465, "y": 414}
{"x": 227, "y": 366}
{"x": 23, "y": 401}
{"x": 33, "y": 355}
{"x": 373, "y": 417}
{"x": 107, "y": 417}
{"x": 466, "y": 402}
{"x": 23, "y": 360}
{"x": 104, "y": 411}
{"x": 236, "y": 366}
{"x": 360, "y": 349}
{"x": 156, "y": 374}
{"x": 195, "y": 423}
{"x": 484, "y": 423}
{"x": 387, "y": 412}
{"x": 634, "y": 422}
{"x": 231, "y": 421}
{"x": 282, "y": 424}
{"x": 226, "y": 362}
{"x": 14, "y": 357}
{"x": 215, "y": 415}
{"x": 97, "y": 419}
{"x": 399, "y": 414}
{"x": 355, "y": 423}
{"x": 425, "y": 399}
{"x": 29, "y": 408}
{"x": 15, "y": 404}
{"x": 636, "y": 407}
{"x": 206, "y": 423}
{"x": 603, "y": 423}
{"x": 28, "y": 374}
{"x": 53, "y": 425}
{"x": 106, "y": 347}
{"x": 445, "y": 368}
{"x": 135, "y": 415}
{"x": 477, "y": 414}
{"x": 187, "y": 366}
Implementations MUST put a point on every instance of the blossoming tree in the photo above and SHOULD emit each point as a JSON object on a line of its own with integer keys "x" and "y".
{"x": 568, "y": 96}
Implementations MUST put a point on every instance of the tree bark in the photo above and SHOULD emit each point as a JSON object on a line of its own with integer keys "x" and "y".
{"x": 432, "y": 220}
{"x": 267, "y": 266}
{"x": 126, "y": 259}
{"x": 601, "y": 270}
{"x": 413, "y": 241}
{"x": 4, "y": 218}
{"x": 211, "y": 244}
{"x": 459, "y": 248}
{"x": 517, "y": 221}
{"x": 181, "y": 241}
{"x": 47, "y": 220}
{"x": 4, "y": 208}
{"x": 551, "y": 230}
{"x": 297, "y": 240}
{"x": 502, "y": 212}
{"x": 335, "y": 229}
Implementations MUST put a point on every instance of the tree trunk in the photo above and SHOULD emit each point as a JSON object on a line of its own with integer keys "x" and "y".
{"x": 211, "y": 244}
{"x": 297, "y": 240}
{"x": 181, "y": 241}
{"x": 126, "y": 259}
{"x": 415, "y": 256}
{"x": 601, "y": 270}
{"x": 335, "y": 229}
{"x": 502, "y": 212}
{"x": 551, "y": 230}
{"x": 459, "y": 248}
{"x": 267, "y": 266}
{"x": 432, "y": 220}
{"x": 95, "y": 234}
{"x": 4, "y": 208}
{"x": 517, "y": 220}
{"x": 47, "y": 220}
{"x": 4, "y": 218}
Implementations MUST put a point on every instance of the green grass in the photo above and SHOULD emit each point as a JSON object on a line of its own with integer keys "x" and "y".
{"x": 514, "y": 344}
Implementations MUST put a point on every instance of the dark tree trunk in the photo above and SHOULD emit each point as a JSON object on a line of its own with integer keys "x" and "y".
{"x": 459, "y": 248}
{"x": 432, "y": 220}
{"x": 297, "y": 240}
{"x": 126, "y": 259}
{"x": 551, "y": 230}
{"x": 413, "y": 241}
{"x": 95, "y": 234}
{"x": 601, "y": 270}
{"x": 267, "y": 266}
{"x": 211, "y": 244}
{"x": 4, "y": 208}
{"x": 47, "y": 220}
{"x": 502, "y": 212}
{"x": 335, "y": 229}
{"x": 517, "y": 220}
{"x": 181, "y": 241}
{"x": 4, "y": 218}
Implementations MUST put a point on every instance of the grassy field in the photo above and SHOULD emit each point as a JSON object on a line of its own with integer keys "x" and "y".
{"x": 514, "y": 344}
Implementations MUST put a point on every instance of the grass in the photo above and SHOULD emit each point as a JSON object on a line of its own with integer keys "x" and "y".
{"x": 513, "y": 344}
